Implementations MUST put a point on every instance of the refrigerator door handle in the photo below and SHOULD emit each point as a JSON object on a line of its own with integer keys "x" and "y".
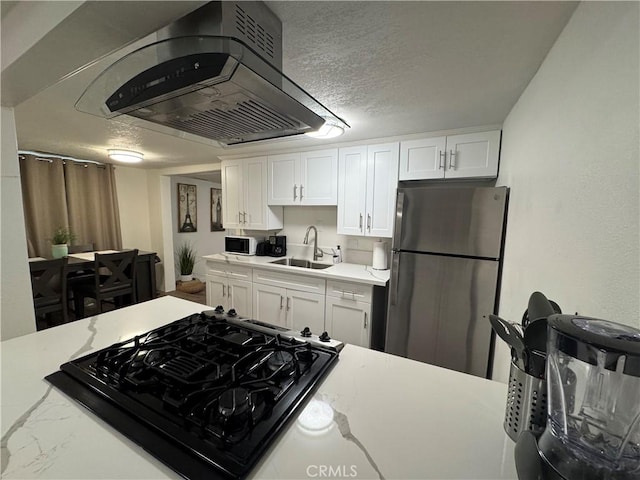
{"x": 397, "y": 230}
{"x": 395, "y": 267}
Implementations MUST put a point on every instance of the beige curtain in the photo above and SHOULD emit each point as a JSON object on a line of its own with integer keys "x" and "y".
{"x": 59, "y": 193}
{"x": 44, "y": 200}
{"x": 92, "y": 204}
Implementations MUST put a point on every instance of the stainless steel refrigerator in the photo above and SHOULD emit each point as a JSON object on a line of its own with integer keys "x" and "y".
{"x": 445, "y": 269}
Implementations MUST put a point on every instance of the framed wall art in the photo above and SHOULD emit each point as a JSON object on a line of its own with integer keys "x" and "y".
{"x": 187, "y": 208}
{"x": 216, "y": 210}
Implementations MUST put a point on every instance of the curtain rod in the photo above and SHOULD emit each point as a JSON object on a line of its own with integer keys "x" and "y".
{"x": 49, "y": 157}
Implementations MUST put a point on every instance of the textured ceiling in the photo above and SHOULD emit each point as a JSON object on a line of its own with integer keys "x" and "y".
{"x": 387, "y": 68}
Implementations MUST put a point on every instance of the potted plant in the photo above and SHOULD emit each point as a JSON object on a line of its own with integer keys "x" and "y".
{"x": 185, "y": 261}
{"x": 60, "y": 241}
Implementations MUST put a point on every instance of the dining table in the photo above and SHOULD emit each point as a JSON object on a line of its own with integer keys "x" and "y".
{"x": 145, "y": 269}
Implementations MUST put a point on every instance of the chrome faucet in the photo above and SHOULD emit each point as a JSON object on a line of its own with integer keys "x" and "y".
{"x": 317, "y": 253}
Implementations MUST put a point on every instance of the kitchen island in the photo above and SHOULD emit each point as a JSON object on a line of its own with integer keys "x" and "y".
{"x": 392, "y": 417}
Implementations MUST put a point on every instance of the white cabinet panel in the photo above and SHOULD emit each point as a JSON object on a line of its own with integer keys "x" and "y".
{"x": 216, "y": 291}
{"x": 466, "y": 155}
{"x": 348, "y": 321}
{"x": 244, "y": 192}
{"x": 303, "y": 178}
{"x": 232, "y": 192}
{"x": 269, "y": 304}
{"x": 305, "y": 310}
{"x": 422, "y": 159}
{"x": 368, "y": 177}
{"x": 473, "y": 155}
{"x": 318, "y": 177}
{"x": 382, "y": 176}
{"x": 240, "y": 298}
{"x": 229, "y": 286}
{"x": 283, "y": 184}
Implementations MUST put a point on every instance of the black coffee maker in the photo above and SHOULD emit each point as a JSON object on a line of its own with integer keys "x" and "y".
{"x": 278, "y": 245}
{"x": 593, "y": 421}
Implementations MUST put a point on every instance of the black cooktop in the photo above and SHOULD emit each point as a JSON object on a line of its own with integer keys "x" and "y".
{"x": 206, "y": 394}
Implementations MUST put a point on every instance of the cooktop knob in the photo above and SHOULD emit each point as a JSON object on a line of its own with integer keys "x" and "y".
{"x": 232, "y": 312}
{"x": 219, "y": 309}
{"x": 306, "y": 332}
{"x": 324, "y": 337}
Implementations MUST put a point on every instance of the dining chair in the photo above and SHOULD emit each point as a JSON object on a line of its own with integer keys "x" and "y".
{"x": 49, "y": 288}
{"x": 114, "y": 280}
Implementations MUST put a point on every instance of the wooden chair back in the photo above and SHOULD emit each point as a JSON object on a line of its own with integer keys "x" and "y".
{"x": 122, "y": 275}
{"x": 49, "y": 286}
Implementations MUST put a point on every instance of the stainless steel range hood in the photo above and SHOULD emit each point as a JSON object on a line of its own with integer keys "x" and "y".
{"x": 208, "y": 76}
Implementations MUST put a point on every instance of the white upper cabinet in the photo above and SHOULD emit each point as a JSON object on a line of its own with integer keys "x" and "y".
{"x": 368, "y": 178}
{"x": 307, "y": 178}
{"x": 424, "y": 158}
{"x": 244, "y": 193}
{"x": 455, "y": 156}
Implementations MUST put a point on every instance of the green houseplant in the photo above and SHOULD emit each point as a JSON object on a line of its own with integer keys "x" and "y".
{"x": 60, "y": 241}
{"x": 185, "y": 261}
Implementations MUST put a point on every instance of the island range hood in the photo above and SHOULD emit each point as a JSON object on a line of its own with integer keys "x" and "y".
{"x": 214, "y": 74}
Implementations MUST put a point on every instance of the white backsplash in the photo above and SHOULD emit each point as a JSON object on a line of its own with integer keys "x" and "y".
{"x": 296, "y": 221}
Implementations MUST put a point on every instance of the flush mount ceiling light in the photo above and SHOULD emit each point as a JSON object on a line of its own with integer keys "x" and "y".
{"x": 125, "y": 156}
{"x": 330, "y": 129}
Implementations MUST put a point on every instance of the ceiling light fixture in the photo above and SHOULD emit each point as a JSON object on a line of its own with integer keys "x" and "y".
{"x": 125, "y": 156}
{"x": 330, "y": 129}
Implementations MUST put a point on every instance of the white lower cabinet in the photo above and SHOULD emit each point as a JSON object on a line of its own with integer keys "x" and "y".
{"x": 306, "y": 310}
{"x": 231, "y": 287}
{"x": 269, "y": 304}
{"x": 294, "y": 301}
{"x": 348, "y": 321}
{"x": 230, "y": 294}
{"x": 288, "y": 308}
{"x": 348, "y": 312}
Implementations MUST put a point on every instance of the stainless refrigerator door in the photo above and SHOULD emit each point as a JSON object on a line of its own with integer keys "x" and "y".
{"x": 437, "y": 310}
{"x": 452, "y": 220}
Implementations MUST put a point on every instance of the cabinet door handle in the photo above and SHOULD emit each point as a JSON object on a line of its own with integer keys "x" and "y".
{"x": 443, "y": 155}
{"x": 281, "y": 300}
{"x": 452, "y": 155}
{"x": 244, "y": 217}
{"x": 360, "y": 222}
{"x": 301, "y": 192}
{"x": 295, "y": 188}
{"x": 369, "y": 222}
{"x": 223, "y": 291}
{"x": 288, "y": 299}
{"x": 365, "y": 320}
{"x": 230, "y": 295}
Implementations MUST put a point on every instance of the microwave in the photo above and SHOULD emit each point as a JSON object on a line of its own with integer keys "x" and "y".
{"x": 240, "y": 245}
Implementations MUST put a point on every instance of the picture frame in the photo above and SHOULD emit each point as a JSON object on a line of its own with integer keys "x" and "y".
{"x": 187, "y": 208}
{"x": 216, "y": 210}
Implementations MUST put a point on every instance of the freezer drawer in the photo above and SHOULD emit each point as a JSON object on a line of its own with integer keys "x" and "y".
{"x": 437, "y": 306}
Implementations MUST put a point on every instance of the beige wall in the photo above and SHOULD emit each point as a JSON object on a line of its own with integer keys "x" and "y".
{"x": 570, "y": 155}
{"x": 133, "y": 204}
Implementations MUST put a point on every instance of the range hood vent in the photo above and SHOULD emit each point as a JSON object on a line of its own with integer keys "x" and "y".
{"x": 214, "y": 74}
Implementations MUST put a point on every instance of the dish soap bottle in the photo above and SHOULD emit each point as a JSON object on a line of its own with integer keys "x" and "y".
{"x": 339, "y": 254}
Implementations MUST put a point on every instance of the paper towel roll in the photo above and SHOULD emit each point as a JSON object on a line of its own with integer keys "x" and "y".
{"x": 379, "y": 255}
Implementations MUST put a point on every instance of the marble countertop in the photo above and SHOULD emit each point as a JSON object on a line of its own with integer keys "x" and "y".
{"x": 392, "y": 418}
{"x": 349, "y": 272}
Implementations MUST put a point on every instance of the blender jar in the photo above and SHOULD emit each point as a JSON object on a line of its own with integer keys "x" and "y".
{"x": 593, "y": 383}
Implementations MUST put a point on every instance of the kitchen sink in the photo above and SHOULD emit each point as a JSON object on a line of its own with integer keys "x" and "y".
{"x": 296, "y": 262}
